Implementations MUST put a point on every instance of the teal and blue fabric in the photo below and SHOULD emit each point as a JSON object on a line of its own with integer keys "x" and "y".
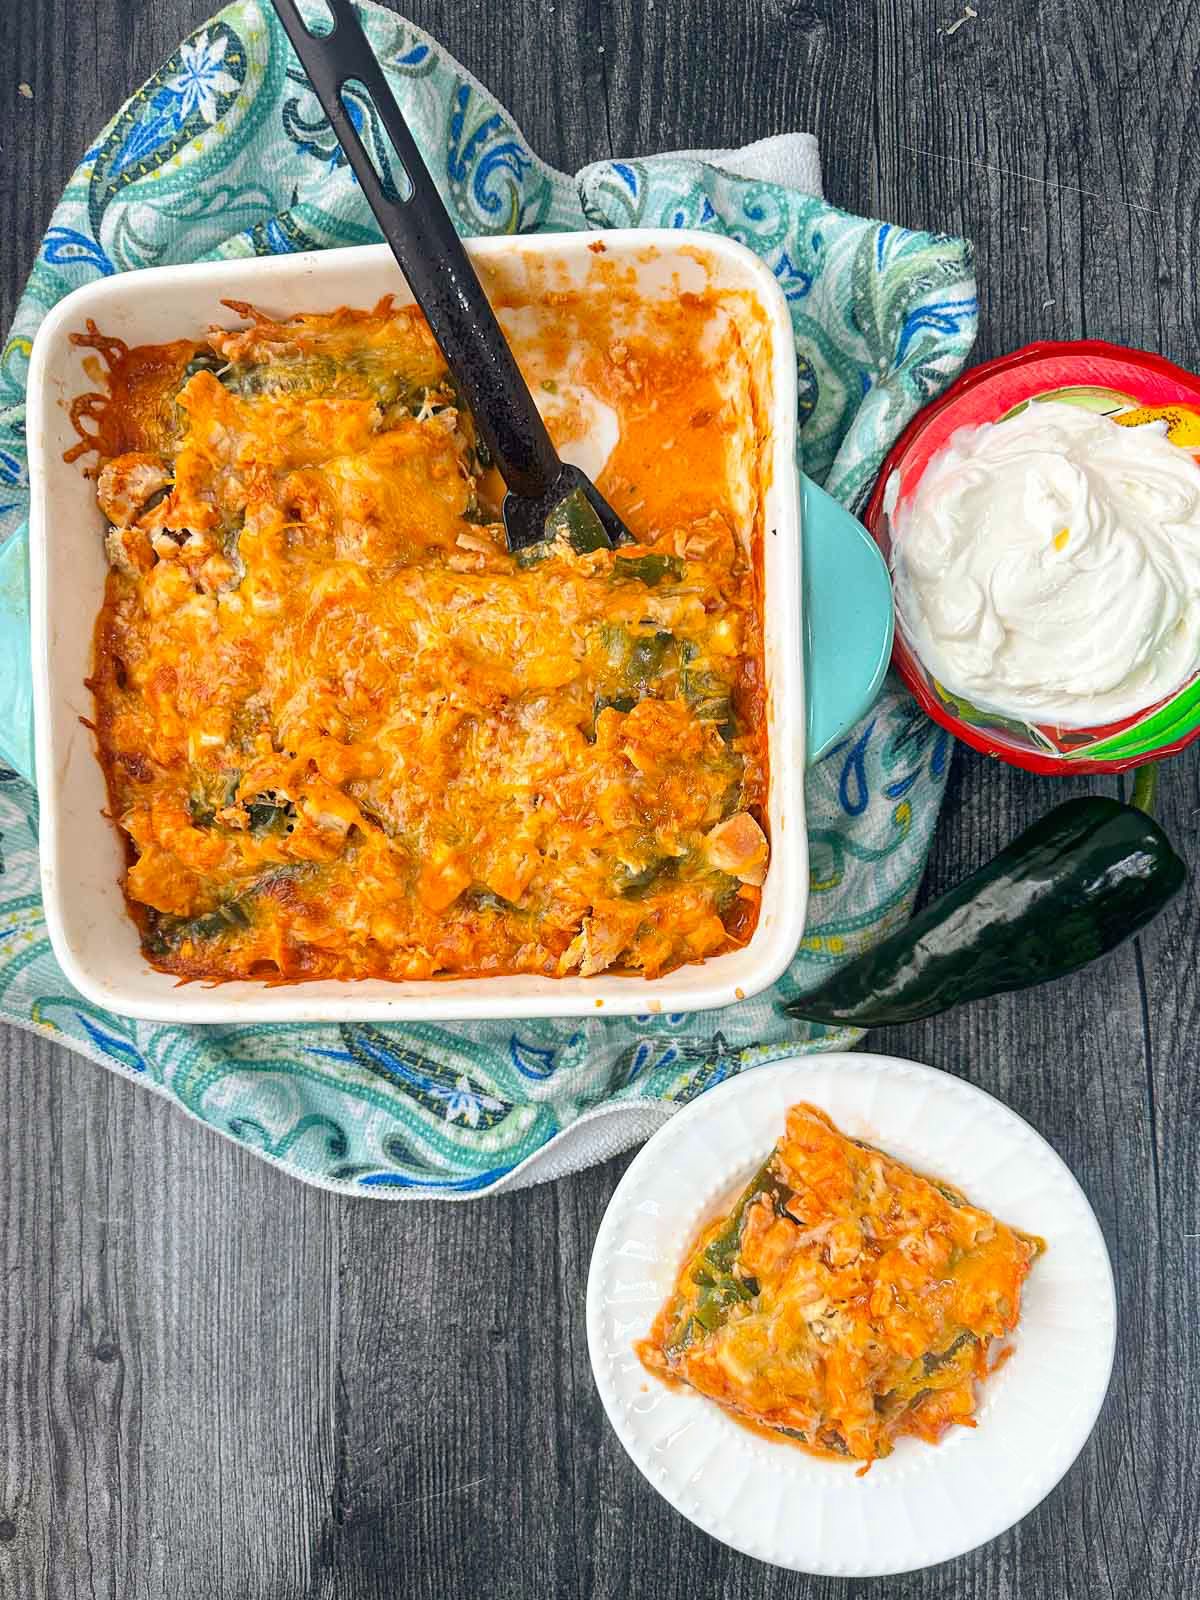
{"x": 225, "y": 152}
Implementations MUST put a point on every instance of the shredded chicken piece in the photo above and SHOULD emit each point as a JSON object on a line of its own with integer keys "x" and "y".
{"x": 128, "y": 550}
{"x": 478, "y": 541}
{"x": 738, "y": 846}
{"x": 709, "y": 538}
{"x": 126, "y": 483}
{"x": 594, "y": 948}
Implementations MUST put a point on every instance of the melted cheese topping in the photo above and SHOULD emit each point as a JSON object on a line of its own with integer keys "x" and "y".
{"x": 347, "y": 735}
{"x": 845, "y": 1300}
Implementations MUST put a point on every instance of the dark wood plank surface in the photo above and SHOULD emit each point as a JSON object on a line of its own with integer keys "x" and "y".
{"x": 215, "y": 1382}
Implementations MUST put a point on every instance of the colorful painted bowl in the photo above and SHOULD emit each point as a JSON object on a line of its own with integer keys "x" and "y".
{"x": 1131, "y": 386}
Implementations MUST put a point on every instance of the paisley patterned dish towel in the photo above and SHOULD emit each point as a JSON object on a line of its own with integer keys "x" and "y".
{"x": 225, "y": 152}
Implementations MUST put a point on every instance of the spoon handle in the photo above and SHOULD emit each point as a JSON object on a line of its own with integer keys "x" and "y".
{"x": 416, "y": 224}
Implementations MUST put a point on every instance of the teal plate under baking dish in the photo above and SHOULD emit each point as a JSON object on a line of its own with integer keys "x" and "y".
{"x": 847, "y": 618}
{"x": 847, "y": 629}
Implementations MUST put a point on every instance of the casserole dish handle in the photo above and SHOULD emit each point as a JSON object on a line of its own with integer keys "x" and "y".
{"x": 847, "y": 618}
{"x": 16, "y": 678}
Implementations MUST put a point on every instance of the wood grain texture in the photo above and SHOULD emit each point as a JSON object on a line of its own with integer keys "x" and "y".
{"x": 167, "y": 1331}
{"x": 216, "y": 1383}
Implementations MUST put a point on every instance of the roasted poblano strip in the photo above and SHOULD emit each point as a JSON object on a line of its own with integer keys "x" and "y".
{"x": 288, "y": 375}
{"x": 269, "y": 813}
{"x": 478, "y": 512}
{"x": 650, "y": 569}
{"x": 961, "y": 1348}
{"x": 168, "y": 933}
{"x": 381, "y": 371}
{"x": 936, "y": 1369}
{"x": 203, "y": 361}
{"x": 574, "y": 519}
{"x": 484, "y": 899}
{"x": 374, "y": 374}
{"x": 212, "y": 793}
{"x": 709, "y": 696}
{"x": 603, "y": 701}
{"x": 712, "y": 1269}
{"x": 623, "y": 703}
{"x": 648, "y": 657}
{"x": 202, "y": 812}
{"x": 633, "y": 884}
{"x": 531, "y": 554}
{"x": 632, "y": 661}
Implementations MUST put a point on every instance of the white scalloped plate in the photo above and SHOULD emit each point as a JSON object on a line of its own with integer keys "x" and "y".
{"x": 923, "y": 1504}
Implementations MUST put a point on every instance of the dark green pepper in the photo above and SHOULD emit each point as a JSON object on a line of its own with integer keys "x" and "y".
{"x": 710, "y": 697}
{"x": 377, "y": 372}
{"x": 578, "y": 524}
{"x": 648, "y": 658}
{"x": 203, "y": 361}
{"x": 532, "y": 555}
{"x": 286, "y": 375}
{"x": 202, "y": 811}
{"x": 478, "y": 512}
{"x": 634, "y": 884}
{"x": 165, "y": 933}
{"x": 270, "y": 813}
{"x": 650, "y": 569}
{"x": 168, "y": 933}
{"x": 481, "y": 898}
{"x": 226, "y": 918}
{"x": 574, "y": 520}
{"x": 712, "y": 1271}
{"x": 624, "y": 703}
{"x": 1069, "y": 889}
{"x": 212, "y": 793}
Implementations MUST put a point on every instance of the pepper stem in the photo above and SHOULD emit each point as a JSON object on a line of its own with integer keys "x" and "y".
{"x": 1145, "y": 787}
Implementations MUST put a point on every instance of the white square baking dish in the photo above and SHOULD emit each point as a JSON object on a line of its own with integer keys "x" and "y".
{"x": 94, "y": 938}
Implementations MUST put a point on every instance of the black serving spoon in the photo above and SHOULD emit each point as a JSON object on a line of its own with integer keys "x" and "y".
{"x": 545, "y": 494}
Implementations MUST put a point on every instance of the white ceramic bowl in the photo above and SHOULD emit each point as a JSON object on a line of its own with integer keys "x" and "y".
{"x": 923, "y": 1503}
{"x": 94, "y": 939}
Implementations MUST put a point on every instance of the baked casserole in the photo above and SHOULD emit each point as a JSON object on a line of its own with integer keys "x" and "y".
{"x": 347, "y": 735}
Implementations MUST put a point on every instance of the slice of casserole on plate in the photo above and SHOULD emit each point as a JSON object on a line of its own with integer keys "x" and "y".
{"x": 844, "y": 1300}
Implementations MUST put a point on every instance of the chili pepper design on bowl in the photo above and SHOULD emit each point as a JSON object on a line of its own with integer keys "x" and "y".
{"x": 1042, "y": 525}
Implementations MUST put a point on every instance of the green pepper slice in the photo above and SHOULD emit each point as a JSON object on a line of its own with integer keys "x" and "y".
{"x": 709, "y": 696}
{"x": 713, "y": 1269}
{"x": 269, "y": 813}
{"x": 578, "y": 524}
{"x": 650, "y": 569}
{"x": 203, "y": 361}
{"x": 648, "y": 658}
{"x": 632, "y": 885}
{"x": 168, "y": 933}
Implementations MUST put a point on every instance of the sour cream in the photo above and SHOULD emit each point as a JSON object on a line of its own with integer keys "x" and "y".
{"x": 584, "y": 429}
{"x": 1048, "y": 567}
